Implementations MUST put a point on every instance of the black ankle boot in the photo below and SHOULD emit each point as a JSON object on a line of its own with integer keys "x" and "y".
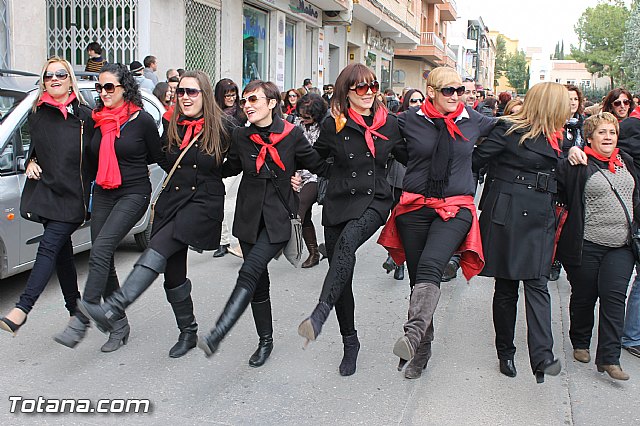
{"x": 310, "y": 328}
{"x": 552, "y": 367}
{"x": 74, "y": 332}
{"x": 264, "y": 327}
{"x": 351, "y": 349}
{"x": 508, "y": 368}
{"x": 182, "y": 305}
{"x": 236, "y": 305}
{"x": 145, "y": 271}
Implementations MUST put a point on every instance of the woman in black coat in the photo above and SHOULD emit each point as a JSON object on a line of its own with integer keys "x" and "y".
{"x": 360, "y": 135}
{"x": 268, "y": 153}
{"x": 56, "y": 193}
{"x": 517, "y": 223}
{"x": 188, "y": 211}
{"x": 594, "y": 244}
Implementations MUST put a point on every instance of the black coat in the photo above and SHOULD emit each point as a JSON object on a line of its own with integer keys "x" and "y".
{"x": 629, "y": 140}
{"x": 193, "y": 198}
{"x": 62, "y": 193}
{"x": 257, "y": 202}
{"x": 358, "y": 179}
{"x": 571, "y": 183}
{"x": 517, "y": 221}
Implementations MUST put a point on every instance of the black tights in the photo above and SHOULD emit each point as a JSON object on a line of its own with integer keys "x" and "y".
{"x": 174, "y": 251}
{"x": 342, "y": 241}
{"x": 308, "y": 196}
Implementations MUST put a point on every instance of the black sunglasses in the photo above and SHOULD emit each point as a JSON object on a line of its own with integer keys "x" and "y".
{"x": 60, "y": 75}
{"x": 108, "y": 87}
{"x": 619, "y": 102}
{"x": 361, "y": 89}
{"x": 191, "y": 92}
{"x": 449, "y": 91}
{"x": 416, "y": 101}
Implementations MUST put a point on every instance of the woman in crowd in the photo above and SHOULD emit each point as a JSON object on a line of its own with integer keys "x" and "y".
{"x": 513, "y": 107}
{"x": 59, "y": 181}
{"x": 290, "y": 102}
{"x": 594, "y": 244}
{"x": 268, "y": 153}
{"x": 519, "y": 211}
{"x": 619, "y": 103}
{"x": 188, "y": 212}
{"x": 503, "y": 99}
{"x": 360, "y": 135}
{"x": 395, "y": 176}
{"x": 126, "y": 140}
{"x": 311, "y": 111}
{"x": 164, "y": 94}
{"x": 436, "y": 216}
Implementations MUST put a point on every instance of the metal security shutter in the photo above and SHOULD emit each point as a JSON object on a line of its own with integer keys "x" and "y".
{"x": 202, "y": 37}
{"x": 5, "y": 53}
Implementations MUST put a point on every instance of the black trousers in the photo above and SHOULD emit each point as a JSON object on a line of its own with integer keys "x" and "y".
{"x": 538, "y": 309}
{"x": 604, "y": 274}
{"x": 429, "y": 241}
{"x": 341, "y": 242}
{"x": 174, "y": 251}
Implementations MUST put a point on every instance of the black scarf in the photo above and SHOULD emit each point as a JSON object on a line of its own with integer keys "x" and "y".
{"x": 438, "y": 178}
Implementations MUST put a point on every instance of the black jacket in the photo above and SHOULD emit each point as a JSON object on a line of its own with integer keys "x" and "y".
{"x": 62, "y": 193}
{"x": 358, "y": 179}
{"x": 571, "y": 182}
{"x": 517, "y": 222}
{"x": 257, "y": 202}
{"x": 193, "y": 198}
{"x": 629, "y": 140}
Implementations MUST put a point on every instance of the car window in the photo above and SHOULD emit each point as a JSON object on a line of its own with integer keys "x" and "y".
{"x": 153, "y": 110}
{"x": 16, "y": 147}
{"x": 9, "y": 99}
{"x": 90, "y": 96}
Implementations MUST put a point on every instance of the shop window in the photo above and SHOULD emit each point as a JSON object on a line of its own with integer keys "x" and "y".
{"x": 385, "y": 74}
{"x": 289, "y": 55}
{"x": 254, "y": 39}
{"x": 370, "y": 61}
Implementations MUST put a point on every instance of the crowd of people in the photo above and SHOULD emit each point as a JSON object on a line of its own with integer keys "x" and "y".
{"x": 560, "y": 189}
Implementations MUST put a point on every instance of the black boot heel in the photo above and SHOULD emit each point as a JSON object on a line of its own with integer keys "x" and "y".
{"x": 550, "y": 367}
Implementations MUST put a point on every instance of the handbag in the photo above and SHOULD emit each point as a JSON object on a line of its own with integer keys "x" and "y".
{"x": 634, "y": 232}
{"x": 323, "y": 183}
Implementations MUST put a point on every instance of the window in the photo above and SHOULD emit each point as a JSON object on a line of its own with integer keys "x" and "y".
{"x": 541, "y": 77}
{"x": 385, "y": 73}
{"x": 254, "y": 45}
{"x": 370, "y": 61}
{"x": 289, "y": 55}
{"x": 586, "y": 83}
{"x": 5, "y": 57}
{"x": 202, "y": 38}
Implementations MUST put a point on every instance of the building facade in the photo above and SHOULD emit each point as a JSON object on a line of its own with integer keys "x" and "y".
{"x": 475, "y": 52}
{"x": 511, "y": 48}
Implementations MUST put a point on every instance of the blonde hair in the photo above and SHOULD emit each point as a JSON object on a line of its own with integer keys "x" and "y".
{"x": 511, "y": 105}
{"x": 440, "y": 76}
{"x": 72, "y": 76}
{"x": 592, "y": 123}
{"x": 545, "y": 111}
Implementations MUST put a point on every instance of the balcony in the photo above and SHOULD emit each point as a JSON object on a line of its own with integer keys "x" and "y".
{"x": 448, "y": 11}
{"x": 451, "y": 58}
{"x": 434, "y": 1}
{"x": 431, "y": 48}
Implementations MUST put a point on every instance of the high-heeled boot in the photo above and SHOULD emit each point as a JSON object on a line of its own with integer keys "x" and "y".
{"x": 309, "y": 236}
{"x": 236, "y": 305}
{"x": 422, "y": 305}
{"x": 144, "y": 273}
{"x": 118, "y": 335}
{"x": 351, "y": 349}
{"x": 74, "y": 332}
{"x": 421, "y": 357}
{"x": 264, "y": 327}
{"x": 182, "y": 305}
{"x": 311, "y": 327}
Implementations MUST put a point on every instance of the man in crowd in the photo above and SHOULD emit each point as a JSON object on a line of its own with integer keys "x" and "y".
{"x": 150, "y": 68}
{"x": 96, "y": 61}
{"x": 172, "y": 72}
{"x": 328, "y": 93}
{"x": 144, "y": 83}
{"x": 469, "y": 97}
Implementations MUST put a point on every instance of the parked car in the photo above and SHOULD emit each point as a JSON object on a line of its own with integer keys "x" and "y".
{"x": 19, "y": 237}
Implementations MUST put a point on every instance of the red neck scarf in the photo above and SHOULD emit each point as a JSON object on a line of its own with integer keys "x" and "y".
{"x": 168, "y": 113}
{"x": 635, "y": 113}
{"x": 430, "y": 111}
{"x": 612, "y": 161}
{"x": 62, "y": 106}
{"x": 290, "y": 110}
{"x": 193, "y": 128}
{"x": 554, "y": 140}
{"x": 274, "y": 138}
{"x": 379, "y": 120}
{"x": 110, "y": 121}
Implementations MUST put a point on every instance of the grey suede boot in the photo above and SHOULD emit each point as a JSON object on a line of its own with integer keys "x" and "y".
{"x": 421, "y": 357}
{"x": 74, "y": 332}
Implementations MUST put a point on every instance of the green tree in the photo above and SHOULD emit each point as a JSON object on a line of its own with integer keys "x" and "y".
{"x": 630, "y": 58}
{"x": 501, "y": 59}
{"x": 517, "y": 71}
{"x": 601, "y": 31}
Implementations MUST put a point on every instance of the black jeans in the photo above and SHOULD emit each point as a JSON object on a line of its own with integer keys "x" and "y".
{"x": 341, "y": 242}
{"x": 538, "y": 308}
{"x": 112, "y": 218}
{"x": 429, "y": 241}
{"x": 604, "y": 273}
{"x": 174, "y": 251}
{"x": 55, "y": 252}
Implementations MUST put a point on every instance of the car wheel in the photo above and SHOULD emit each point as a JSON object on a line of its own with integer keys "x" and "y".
{"x": 143, "y": 238}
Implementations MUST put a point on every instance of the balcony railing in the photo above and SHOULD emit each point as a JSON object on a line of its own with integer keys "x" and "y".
{"x": 451, "y": 54}
{"x": 453, "y": 4}
{"x": 431, "y": 39}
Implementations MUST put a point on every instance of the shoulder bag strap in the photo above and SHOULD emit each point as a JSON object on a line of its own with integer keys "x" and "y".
{"x": 175, "y": 165}
{"x": 275, "y": 185}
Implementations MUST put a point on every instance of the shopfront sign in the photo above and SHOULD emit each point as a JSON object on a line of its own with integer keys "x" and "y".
{"x": 376, "y": 41}
{"x": 300, "y": 9}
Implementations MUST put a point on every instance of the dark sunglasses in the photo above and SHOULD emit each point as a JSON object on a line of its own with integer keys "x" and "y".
{"x": 191, "y": 92}
{"x": 449, "y": 91}
{"x": 251, "y": 99}
{"x": 619, "y": 102}
{"x": 230, "y": 95}
{"x": 60, "y": 75}
{"x": 416, "y": 101}
{"x": 361, "y": 89}
{"x": 108, "y": 87}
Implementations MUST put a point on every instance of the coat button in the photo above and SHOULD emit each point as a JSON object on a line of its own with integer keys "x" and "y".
{"x": 375, "y": 137}
{"x": 354, "y": 174}
{"x": 346, "y": 138}
{"x": 353, "y": 191}
{"x": 195, "y": 144}
{"x": 525, "y": 213}
{"x": 369, "y": 191}
{"x": 179, "y": 166}
{"x": 193, "y": 188}
{"x": 177, "y": 188}
{"x": 553, "y": 170}
{"x": 368, "y": 154}
{"x": 195, "y": 167}
{"x": 351, "y": 155}
{"x": 529, "y": 186}
{"x": 370, "y": 172}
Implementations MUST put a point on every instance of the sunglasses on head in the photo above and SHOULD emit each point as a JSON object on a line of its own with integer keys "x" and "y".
{"x": 619, "y": 102}
{"x": 416, "y": 101}
{"x": 361, "y": 89}
{"x": 60, "y": 75}
{"x": 108, "y": 87}
{"x": 189, "y": 91}
{"x": 251, "y": 99}
{"x": 449, "y": 91}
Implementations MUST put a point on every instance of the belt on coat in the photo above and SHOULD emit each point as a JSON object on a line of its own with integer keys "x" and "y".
{"x": 540, "y": 181}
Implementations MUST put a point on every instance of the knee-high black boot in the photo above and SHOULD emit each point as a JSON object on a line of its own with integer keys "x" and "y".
{"x": 236, "y": 305}
{"x": 109, "y": 314}
{"x": 182, "y": 305}
{"x": 264, "y": 327}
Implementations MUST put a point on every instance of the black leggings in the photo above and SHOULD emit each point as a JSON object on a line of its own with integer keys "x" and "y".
{"x": 308, "y": 196}
{"x": 342, "y": 241}
{"x": 429, "y": 241}
{"x": 174, "y": 251}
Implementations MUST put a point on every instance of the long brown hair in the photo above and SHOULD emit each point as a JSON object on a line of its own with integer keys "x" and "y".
{"x": 351, "y": 74}
{"x": 214, "y": 139}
